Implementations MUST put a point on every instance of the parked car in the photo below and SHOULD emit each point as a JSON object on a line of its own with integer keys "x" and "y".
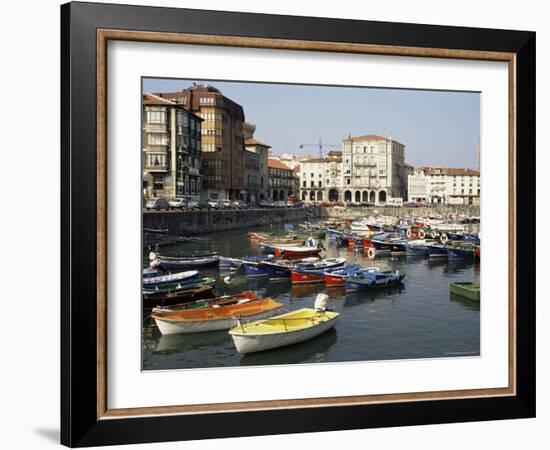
{"x": 266, "y": 204}
{"x": 220, "y": 204}
{"x": 157, "y": 204}
{"x": 177, "y": 203}
{"x": 239, "y": 204}
{"x": 280, "y": 204}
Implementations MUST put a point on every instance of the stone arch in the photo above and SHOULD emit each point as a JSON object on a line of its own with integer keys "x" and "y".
{"x": 357, "y": 196}
{"x": 333, "y": 195}
{"x": 275, "y": 196}
{"x": 347, "y": 196}
{"x": 372, "y": 197}
{"x": 382, "y": 197}
{"x": 320, "y": 196}
{"x": 304, "y": 195}
{"x": 365, "y": 198}
{"x": 312, "y": 196}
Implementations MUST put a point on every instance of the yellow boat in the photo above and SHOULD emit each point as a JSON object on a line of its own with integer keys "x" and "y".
{"x": 282, "y": 330}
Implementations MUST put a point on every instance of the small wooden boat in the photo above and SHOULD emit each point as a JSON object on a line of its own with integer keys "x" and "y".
{"x": 175, "y": 296}
{"x": 337, "y": 278}
{"x": 169, "y": 278}
{"x": 417, "y": 248}
{"x": 164, "y": 289}
{"x": 184, "y": 262}
{"x": 462, "y": 252}
{"x": 280, "y": 331}
{"x": 315, "y": 273}
{"x": 298, "y": 252}
{"x": 224, "y": 300}
{"x": 437, "y": 250}
{"x": 371, "y": 280}
{"x": 469, "y": 290}
{"x": 236, "y": 263}
{"x": 214, "y": 318}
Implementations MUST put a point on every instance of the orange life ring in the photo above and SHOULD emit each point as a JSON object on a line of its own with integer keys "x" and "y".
{"x": 371, "y": 253}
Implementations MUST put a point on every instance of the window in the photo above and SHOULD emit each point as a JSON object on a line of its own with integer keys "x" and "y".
{"x": 304, "y": 184}
{"x": 182, "y": 119}
{"x": 313, "y": 184}
{"x": 156, "y": 160}
{"x": 320, "y": 184}
{"x": 348, "y": 181}
{"x": 158, "y": 139}
{"x": 207, "y": 101}
{"x": 158, "y": 182}
{"x": 156, "y": 116}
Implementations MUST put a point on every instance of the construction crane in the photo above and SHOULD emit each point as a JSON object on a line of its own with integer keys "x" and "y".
{"x": 320, "y": 145}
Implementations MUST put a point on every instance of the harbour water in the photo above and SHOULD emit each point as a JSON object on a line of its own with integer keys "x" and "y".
{"x": 419, "y": 319}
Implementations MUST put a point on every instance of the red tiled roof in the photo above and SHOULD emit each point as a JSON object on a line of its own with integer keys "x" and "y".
{"x": 255, "y": 142}
{"x": 276, "y": 164}
{"x": 460, "y": 171}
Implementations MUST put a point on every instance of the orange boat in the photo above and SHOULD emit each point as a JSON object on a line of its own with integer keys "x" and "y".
{"x": 214, "y": 318}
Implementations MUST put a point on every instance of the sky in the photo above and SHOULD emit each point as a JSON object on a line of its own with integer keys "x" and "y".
{"x": 438, "y": 128}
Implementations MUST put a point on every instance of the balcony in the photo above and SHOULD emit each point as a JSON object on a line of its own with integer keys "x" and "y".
{"x": 157, "y": 168}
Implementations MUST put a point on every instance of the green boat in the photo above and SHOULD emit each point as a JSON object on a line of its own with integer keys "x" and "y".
{"x": 469, "y": 290}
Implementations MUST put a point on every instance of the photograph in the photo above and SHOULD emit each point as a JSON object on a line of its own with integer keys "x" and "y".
{"x": 302, "y": 224}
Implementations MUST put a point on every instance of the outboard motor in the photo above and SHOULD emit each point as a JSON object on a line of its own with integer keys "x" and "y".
{"x": 321, "y": 302}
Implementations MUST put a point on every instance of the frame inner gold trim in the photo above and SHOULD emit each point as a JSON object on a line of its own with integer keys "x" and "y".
{"x": 103, "y": 36}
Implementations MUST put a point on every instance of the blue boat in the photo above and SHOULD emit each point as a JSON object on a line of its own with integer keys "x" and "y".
{"x": 169, "y": 278}
{"x": 437, "y": 250}
{"x": 471, "y": 238}
{"x": 236, "y": 263}
{"x": 333, "y": 234}
{"x": 416, "y": 249}
{"x": 368, "y": 280}
{"x": 277, "y": 270}
{"x": 454, "y": 253}
{"x": 254, "y": 269}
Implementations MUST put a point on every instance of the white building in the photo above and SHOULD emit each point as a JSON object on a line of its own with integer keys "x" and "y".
{"x": 457, "y": 186}
{"x": 369, "y": 169}
{"x": 373, "y": 169}
{"x": 418, "y": 187}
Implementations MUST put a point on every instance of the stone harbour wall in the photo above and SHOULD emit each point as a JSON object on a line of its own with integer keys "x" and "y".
{"x": 182, "y": 223}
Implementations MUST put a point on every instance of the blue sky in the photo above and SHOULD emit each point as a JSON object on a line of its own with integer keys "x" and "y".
{"x": 438, "y": 128}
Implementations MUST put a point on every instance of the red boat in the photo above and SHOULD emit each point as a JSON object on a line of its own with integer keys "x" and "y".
{"x": 297, "y": 252}
{"x": 316, "y": 272}
{"x": 332, "y": 280}
{"x": 478, "y": 252}
{"x": 299, "y": 277}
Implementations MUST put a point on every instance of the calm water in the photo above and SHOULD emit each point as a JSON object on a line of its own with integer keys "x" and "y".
{"x": 417, "y": 320}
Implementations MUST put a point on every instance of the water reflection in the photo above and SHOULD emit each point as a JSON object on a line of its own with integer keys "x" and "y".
{"x": 178, "y": 343}
{"x": 465, "y": 302}
{"x": 314, "y": 350}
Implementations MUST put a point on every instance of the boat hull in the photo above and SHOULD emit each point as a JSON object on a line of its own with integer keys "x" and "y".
{"x": 254, "y": 270}
{"x": 458, "y": 253}
{"x": 469, "y": 291}
{"x": 201, "y": 326}
{"x": 256, "y": 343}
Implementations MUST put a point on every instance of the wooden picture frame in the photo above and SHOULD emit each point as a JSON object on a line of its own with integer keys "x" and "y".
{"x": 85, "y": 417}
